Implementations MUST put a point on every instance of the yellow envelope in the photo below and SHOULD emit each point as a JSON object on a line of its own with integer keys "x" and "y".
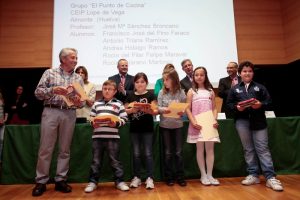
{"x": 175, "y": 108}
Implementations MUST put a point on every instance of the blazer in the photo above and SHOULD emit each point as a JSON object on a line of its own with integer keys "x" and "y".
{"x": 129, "y": 85}
{"x": 223, "y": 90}
{"x": 186, "y": 84}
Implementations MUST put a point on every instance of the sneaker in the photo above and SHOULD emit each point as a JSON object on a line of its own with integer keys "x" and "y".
{"x": 135, "y": 182}
{"x": 122, "y": 186}
{"x": 250, "y": 180}
{"x": 213, "y": 181}
{"x": 149, "y": 183}
{"x": 90, "y": 187}
{"x": 204, "y": 180}
{"x": 274, "y": 183}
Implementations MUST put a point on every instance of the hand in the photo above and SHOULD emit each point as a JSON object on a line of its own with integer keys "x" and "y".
{"x": 256, "y": 105}
{"x": 181, "y": 113}
{"x": 240, "y": 108}
{"x": 133, "y": 110}
{"x": 94, "y": 125}
{"x": 60, "y": 90}
{"x": 112, "y": 124}
{"x": 121, "y": 88}
{"x": 196, "y": 126}
{"x": 76, "y": 100}
{"x": 166, "y": 111}
{"x": 216, "y": 125}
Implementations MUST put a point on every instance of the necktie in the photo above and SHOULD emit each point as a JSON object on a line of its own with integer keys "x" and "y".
{"x": 123, "y": 79}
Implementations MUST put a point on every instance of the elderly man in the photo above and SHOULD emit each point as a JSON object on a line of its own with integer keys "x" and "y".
{"x": 58, "y": 121}
{"x": 123, "y": 79}
{"x": 225, "y": 84}
{"x": 186, "y": 82}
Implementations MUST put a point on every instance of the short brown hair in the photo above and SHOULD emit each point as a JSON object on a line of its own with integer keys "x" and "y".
{"x": 110, "y": 82}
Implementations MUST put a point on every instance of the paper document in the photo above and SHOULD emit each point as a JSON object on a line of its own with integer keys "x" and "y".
{"x": 175, "y": 108}
{"x": 206, "y": 120}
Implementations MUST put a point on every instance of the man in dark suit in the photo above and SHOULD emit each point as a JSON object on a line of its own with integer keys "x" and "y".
{"x": 225, "y": 84}
{"x": 186, "y": 82}
{"x": 123, "y": 79}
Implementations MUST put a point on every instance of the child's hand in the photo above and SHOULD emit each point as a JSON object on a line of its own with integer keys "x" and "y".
{"x": 196, "y": 126}
{"x": 94, "y": 125}
{"x": 180, "y": 113}
{"x": 147, "y": 110}
{"x": 256, "y": 105}
{"x": 133, "y": 110}
{"x": 216, "y": 125}
{"x": 112, "y": 124}
{"x": 240, "y": 108}
{"x": 166, "y": 111}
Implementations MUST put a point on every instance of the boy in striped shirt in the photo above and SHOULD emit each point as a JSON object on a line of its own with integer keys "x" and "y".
{"x": 106, "y": 136}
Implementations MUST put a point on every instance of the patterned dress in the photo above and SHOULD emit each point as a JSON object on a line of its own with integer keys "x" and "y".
{"x": 201, "y": 102}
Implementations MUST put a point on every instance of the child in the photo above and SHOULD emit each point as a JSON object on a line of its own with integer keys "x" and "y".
{"x": 170, "y": 128}
{"x": 201, "y": 98}
{"x": 251, "y": 125}
{"x": 141, "y": 129}
{"x": 106, "y": 137}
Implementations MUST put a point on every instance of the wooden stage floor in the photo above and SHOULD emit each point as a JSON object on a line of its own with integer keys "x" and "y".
{"x": 230, "y": 189}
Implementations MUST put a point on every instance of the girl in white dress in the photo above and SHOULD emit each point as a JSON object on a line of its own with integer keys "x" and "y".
{"x": 201, "y": 98}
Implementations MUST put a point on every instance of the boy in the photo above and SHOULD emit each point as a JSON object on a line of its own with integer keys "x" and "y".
{"x": 106, "y": 136}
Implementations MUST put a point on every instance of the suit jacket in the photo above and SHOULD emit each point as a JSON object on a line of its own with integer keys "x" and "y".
{"x": 186, "y": 84}
{"x": 129, "y": 85}
{"x": 224, "y": 87}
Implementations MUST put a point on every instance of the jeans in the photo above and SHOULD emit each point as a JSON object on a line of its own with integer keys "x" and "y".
{"x": 139, "y": 141}
{"x": 173, "y": 145}
{"x": 255, "y": 145}
{"x": 112, "y": 146}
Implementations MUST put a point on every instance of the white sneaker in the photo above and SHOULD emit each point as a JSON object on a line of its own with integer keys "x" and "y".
{"x": 204, "y": 180}
{"x": 250, "y": 180}
{"x": 135, "y": 182}
{"x": 122, "y": 186}
{"x": 90, "y": 187}
{"x": 213, "y": 181}
{"x": 149, "y": 183}
{"x": 274, "y": 183}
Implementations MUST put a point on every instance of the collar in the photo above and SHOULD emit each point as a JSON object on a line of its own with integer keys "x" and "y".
{"x": 62, "y": 70}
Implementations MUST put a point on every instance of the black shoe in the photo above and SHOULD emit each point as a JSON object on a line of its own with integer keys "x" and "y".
{"x": 181, "y": 182}
{"x": 39, "y": 189}
{"x": 62, "y": 186}
{"x": 170, "y": 182}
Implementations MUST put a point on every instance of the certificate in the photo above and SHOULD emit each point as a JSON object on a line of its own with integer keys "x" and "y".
{"x": 176, "y": 108}
{"x": 207, "y": 120}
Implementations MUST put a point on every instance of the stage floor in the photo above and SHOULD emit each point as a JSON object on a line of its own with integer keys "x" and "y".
{"x": 230, "y": 189}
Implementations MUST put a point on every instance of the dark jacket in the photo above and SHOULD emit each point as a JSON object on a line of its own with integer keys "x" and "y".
{"x": 129, "y": 85}
{"x": 256, "y": 117}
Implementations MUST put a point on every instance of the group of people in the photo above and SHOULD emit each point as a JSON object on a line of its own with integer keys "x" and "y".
{"x": 119, "y": 91}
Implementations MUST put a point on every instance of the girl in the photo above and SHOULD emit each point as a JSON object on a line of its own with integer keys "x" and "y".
{"x": 201, "y": 98}
{"x": 170, "y": 128}
{"x": 141, "y": 129}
